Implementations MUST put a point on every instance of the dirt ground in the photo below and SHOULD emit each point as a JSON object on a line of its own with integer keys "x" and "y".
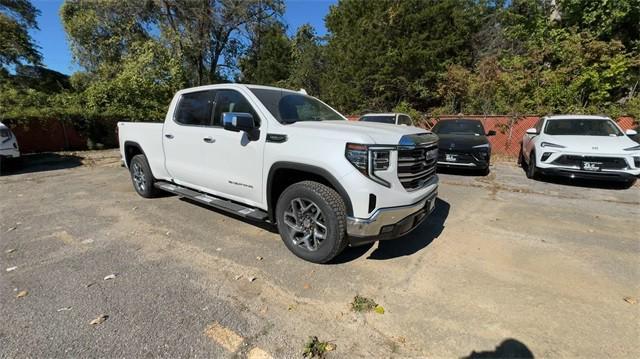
{"x": 504, "y": 266}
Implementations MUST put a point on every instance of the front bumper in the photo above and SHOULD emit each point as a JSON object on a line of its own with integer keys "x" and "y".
{"x": 10, "y": 152}
{"x": 589, "y": 175}
{"x": 463, "y": 159}
{"x": 389, "y": 223}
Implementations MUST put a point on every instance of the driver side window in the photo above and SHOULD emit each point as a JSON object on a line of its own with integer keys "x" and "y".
{"x": 232, "y": 101}
{"x": 539, "y": 126}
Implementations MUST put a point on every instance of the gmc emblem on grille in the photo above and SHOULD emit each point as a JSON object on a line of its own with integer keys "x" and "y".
{"x": 431, "y": 154}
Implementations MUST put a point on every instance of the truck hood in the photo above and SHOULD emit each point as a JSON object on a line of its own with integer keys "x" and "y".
{"x": 356, "y": 131}
{"x": 593, "y": 144}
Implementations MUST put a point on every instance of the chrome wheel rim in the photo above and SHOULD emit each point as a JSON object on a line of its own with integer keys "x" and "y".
{"x": 306, "y": 224}
{"x": 138, "y": 177}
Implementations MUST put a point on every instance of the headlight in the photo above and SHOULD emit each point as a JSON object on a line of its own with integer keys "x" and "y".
{"x": 634, "y": 148}
{"x": 368, "y": 160}
{"x": 549, "y": 144}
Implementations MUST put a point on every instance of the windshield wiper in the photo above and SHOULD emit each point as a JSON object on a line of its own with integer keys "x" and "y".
{"x": 289, "y": 121}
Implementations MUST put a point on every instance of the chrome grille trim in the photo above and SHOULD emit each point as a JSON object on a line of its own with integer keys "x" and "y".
{"x": 414, "y": 169}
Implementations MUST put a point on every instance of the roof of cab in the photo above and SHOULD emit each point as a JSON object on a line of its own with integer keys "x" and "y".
{"x": 384, "y": 114}
{"x": 576, "y": 117}
{"x": 233, "y": 85}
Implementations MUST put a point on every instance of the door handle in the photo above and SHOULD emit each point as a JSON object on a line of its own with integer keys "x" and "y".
{"x": 168, "y": 135}
{"x": 209, "y": 140}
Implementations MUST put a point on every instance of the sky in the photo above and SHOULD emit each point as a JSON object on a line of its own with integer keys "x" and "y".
{"x": 52, "y": 40}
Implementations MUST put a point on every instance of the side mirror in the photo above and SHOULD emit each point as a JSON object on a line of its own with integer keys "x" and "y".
{"x": 238, "y": 121}
{"x": 491, "y": 133}
{"x": 532, "y": 131}
{"x": 631, "y": 132}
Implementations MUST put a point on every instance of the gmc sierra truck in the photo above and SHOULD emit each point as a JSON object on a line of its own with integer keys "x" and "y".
{"x": 281, "y": 156}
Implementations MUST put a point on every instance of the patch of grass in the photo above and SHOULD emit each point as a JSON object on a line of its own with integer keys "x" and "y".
{"x": 315, "y": 348}
{"x": 363, "y": 304}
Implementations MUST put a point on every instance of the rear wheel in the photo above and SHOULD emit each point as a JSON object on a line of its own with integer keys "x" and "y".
{"x": 312, "y": 221}
{"x": 143, "y": 181}
{"x": 532, "y": 170}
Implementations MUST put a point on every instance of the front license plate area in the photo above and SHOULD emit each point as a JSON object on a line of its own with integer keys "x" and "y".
{"x": 591, "y": 166}
{"x": 450, "y": 158}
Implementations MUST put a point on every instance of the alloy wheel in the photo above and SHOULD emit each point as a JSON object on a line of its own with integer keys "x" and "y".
{"x": 306, "y": 224}
{"x": 139, "y": 177}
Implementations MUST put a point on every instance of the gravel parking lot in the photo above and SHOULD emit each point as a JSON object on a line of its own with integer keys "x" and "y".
{"x": 544, "y": 266}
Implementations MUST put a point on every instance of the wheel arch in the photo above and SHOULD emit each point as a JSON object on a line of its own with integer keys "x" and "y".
{"x": 132, "y": 148}
{"x": 283, "y": 174}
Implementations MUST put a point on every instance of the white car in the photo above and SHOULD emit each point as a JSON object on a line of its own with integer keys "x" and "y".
{"x": 281, "y": 156}
{"x": 8, "y": 144}
{"x": 580, "y": 146}
{"x": 390, "y": 118}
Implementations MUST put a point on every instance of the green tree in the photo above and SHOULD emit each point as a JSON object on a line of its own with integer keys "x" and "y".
{"x": 268, "y": 59}
{"x": 383, "y": 52}
{"x": 16, "y": 45}
{"x": 309, "y": 61}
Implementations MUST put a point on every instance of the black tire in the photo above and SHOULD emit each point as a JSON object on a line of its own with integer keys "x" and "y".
{"x": 331, "y": 216}
{"x": 532, "y": 170}
{"x": 141, "y": 176}
{"x": 630, "y": 183}
{"x": 521, "y": 158}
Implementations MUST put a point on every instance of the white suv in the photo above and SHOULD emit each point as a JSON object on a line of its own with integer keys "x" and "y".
{"x": 580, "y": 146}
{"x": 390, "y": 118}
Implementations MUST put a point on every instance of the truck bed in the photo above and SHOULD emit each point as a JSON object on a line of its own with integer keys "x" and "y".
{"x": 148, "y": 135}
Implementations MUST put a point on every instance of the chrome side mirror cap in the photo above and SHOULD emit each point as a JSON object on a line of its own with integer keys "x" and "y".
{"x": 532, "y": 131}
{"x": 631, "y": 132}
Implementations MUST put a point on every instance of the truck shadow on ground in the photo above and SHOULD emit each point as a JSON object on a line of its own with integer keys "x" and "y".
{"x": 407, "y": 245}
{"x": 39, "y": 162}
{"x": 509, "y": 348}
{"x": 262, "y": 225}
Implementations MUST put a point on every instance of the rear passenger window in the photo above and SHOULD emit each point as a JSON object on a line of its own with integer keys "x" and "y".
{"x": 195, "y": 108}
{"x": 232, "y": 101}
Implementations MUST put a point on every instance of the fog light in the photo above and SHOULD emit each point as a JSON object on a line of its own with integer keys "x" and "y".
{"x": 545, "y": 156}
{"x": 387, "y": 228}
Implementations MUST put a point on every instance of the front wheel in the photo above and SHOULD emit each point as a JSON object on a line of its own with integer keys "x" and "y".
{"x": 312, "y": 221}
{"x": 532, "y": 170}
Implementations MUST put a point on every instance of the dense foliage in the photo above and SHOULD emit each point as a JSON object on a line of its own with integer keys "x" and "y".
{"x": 418, "y": 56}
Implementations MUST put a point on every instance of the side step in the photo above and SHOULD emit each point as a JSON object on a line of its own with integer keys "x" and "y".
{"x": 225, "y": 205}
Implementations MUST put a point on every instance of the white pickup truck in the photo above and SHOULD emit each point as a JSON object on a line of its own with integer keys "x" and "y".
{"x": 270, "y": 154}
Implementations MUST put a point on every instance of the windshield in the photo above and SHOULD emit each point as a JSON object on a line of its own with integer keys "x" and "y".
{"x": 290, "y": 107}
{"x": 459, "y": 127}
{"x": 379, "y": 119}
{"x": 582, "y": 128}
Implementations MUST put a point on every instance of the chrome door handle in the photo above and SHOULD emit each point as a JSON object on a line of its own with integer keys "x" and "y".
{"x": 168, "y": 135}
{"x": 209, "y": 140}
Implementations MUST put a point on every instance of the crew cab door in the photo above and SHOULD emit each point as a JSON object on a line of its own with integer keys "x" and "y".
{"x": 201, "y": 154}
{"x": 186, "y": 138}
{"x": 239, "y": 159}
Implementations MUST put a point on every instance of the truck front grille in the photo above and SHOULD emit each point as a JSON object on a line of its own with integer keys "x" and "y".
{"x": 416, "y": 166}
{"x": 609, "y": 163}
